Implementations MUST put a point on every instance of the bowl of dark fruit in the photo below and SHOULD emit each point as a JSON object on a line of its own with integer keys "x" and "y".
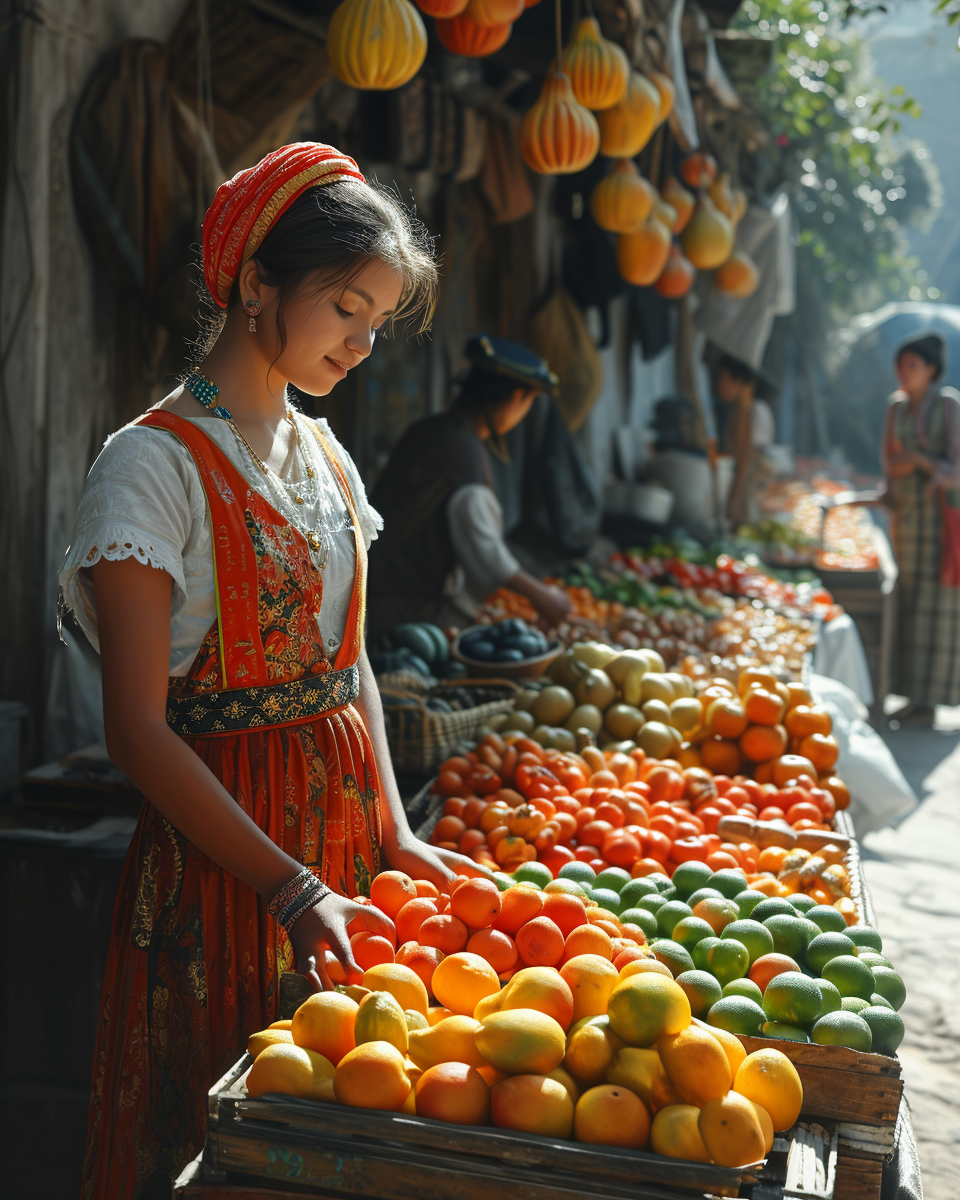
{"x": 509, "y": 649}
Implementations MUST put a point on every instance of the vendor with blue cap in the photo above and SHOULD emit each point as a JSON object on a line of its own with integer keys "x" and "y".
{"x": 442, "y": 548}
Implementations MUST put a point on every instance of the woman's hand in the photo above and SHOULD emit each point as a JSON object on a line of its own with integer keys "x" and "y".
{"x": 421, "y": 861}
{"x": 324, "y": 927}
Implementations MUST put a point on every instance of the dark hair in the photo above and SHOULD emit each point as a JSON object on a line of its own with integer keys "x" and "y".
{"x": 931, "y": 348}
{"x": 335, "y": 231}
{"x": 484, "y": 394}
{"x": 737, "y": 369}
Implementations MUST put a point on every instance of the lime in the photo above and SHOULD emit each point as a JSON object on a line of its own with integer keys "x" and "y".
{"x": 842, "y": 1029}
{"x": 702, "y": 991}
{"x": 747, "y": 901}
{"x": 802, "y": 902}
{"x": 729, "y": 959}
{"x": 533, "y": 872}
{"x": 737, "y": 1014}
{"x": 663, "y": 882}
{"x": 671, "y": 913}
{"x": 503, "y": 881}
{"x": 607, "y": 898}
{"x": 826, "y": 946}
{"x": 579, "y": 872}
{"x": 773, "y": 906}
{"x": 793, "y": 999}
{"x": 827, "y": 917}
{"x": 866, "y": 936}
{"x": 565, "y": 887}
{"x": 717, "y": 911}
{"x": 790, "y": 1033}
{"x": 613, "y": 878}
{"x": 850, "y": 976}
{"x": 743, "y": 987}
{"x": 881, "y": 1001}
{"x": 631, "y": 892}
{"x": 832, "y": 1000}
{"x": 756, "y": 937}
{"x": 641, "y": 917}
{"x": 689, "y": 876}
{"x": 690, "y": 930}
{"x": 788, "y": 933}
{"x": 672, "y": 955}
{"x": 704, "y": 893}
{"x": 853, "y": 1004}
{"x": 889, "y": 984}
{"x": 700, "y": 953}
{"x": 873, "y": 959}
{"x": 886, "y": 1027}
{"x": 729, "y": 882}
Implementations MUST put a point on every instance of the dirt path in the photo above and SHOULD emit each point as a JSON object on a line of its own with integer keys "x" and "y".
{"x": 913, "y": 873}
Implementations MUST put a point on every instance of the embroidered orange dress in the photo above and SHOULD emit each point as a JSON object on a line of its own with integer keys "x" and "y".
{"x": 195, "y": 959}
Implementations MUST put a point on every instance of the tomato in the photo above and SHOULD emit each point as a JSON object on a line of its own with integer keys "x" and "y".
{"x": 688, "y": 849}
{"x": 484, "y": 780}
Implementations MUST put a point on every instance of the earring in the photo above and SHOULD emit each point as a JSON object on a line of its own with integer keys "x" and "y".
{"x": 252, "y": 308}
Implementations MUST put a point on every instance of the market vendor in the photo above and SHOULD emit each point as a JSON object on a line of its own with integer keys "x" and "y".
{"x": 921, "y": 458}
{"x": 745, "y": 427}
{"x": 218, "y": 565}
{"x": 442, "y": 549}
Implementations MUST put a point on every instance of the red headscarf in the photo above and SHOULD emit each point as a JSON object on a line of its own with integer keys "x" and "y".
{"x": 246, "y": 206}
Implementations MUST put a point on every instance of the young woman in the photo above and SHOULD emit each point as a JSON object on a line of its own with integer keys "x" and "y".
{"x": 219, "y": 566}
{"x": 921, "y": 457}
{"x": 444, "y": 513}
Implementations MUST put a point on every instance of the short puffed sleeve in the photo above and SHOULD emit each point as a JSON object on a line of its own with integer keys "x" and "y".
{"x": 370, "y": 520}
{"x": 142, "y": 499}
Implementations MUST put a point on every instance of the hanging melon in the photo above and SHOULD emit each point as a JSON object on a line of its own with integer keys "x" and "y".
{"x": 621, "y": 202}
{"x": 676, "y": 278}
{"x": 376, "y": 44}
{"x": 627, "y": 126}
{"x": 493, "y": 12}
{"x": 598, "y": 68}
{"x": 642, "y": 255}
{"x": 461, "y": 35}
{"x": 558, "y": 136}
{"x": 707, "y": 241}
{"x": 738, "y": 276}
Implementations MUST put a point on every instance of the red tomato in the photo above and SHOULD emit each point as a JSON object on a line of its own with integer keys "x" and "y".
{"x": 656, "y": 845}
{"x": 688, "y": 849}
{"x": 554, "y": 859}
{"x": 593, "y": 833}
{"x": 663, "y": 823}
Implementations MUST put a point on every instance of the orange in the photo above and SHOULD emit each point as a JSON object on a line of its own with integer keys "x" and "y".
{"x": 766, "y": 679}
{"x": 517, "y": 906}
{"x": 676, "y": 1134}
{"x": 771, "y": 858}
{"x": 725, "y": 717}
{"x": 462, "y": 980}
{"x": 806, "y": 719}
{"x": 717, "y": 913}
{"x": 402, "y": 982}
{"x": 761, "y": 743}
{"x": 567, "y": 912}
{"x": 324, "y": 1023}
{"x": 543, "y": 989}
{"x": 372, "y": 1076}
{"x": 799, "y": 694}
{"x": 720, "y": 756}
{"x": 447, "y": 829}
{"x": 437, "y": 1013}
{"x": 769, "y": 965}
{"x": 476, "y": 902}
{"x": 696, "y": 1065}
{"x": 769, "y": 1078}
{"x": 291, "y": 1070}
{"x": 640, "y": 966}
{"x": 591, "y": 978}
{"x": 446, "y": 932}
{"x": 540, "y": 943}
{"x": 390, "y": 891}
{"x": 763, "y": 707}
{"x": 532, "y": 1104}
{"x": 370, "y": 949}
{"x": 588, "y": 939}
{"x": 641, "y": 1070}
{"x": 609, "y": 1115}
{"x": 497, "y": 948}
{"x": 822, "y": 750}
{"x": 731, "y": 1131}
{"x": 791, "y": 766}
{"x": 413, "y": 914}
{"x": 453, "y": 1092}
{"x": 286, "y": 1023}
{"x": 838, "y": 789}
{"x": 766, "y": 1126}
{"x": 422, "y": 960}
{"x": 426, "y": 888}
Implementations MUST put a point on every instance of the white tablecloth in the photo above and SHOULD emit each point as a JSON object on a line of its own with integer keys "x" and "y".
{"x": 839, "y": 655}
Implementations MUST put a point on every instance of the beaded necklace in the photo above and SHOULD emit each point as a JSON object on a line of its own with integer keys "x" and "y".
{"x": 204, "y": 390}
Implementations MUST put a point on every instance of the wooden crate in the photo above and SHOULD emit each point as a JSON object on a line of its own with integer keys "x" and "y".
{"x": 302, "y": 1144}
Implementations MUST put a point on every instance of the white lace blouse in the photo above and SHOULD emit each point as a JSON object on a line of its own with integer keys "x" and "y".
{"x": 143, "y": 499}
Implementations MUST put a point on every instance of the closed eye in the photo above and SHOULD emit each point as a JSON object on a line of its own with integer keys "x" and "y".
{"x": 343, "y": 312}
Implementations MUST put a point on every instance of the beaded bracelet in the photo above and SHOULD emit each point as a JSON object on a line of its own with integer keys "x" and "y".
{"x": 298, "y": 894}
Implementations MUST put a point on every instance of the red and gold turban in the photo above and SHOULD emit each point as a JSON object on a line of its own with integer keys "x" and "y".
{"x": 246, "y": 206}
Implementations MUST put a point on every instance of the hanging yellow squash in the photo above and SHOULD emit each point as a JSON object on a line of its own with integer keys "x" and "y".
{"x": 663, "y": 212}
{"x": 721, "y": 193}
{"x": 707, "y": 240}
{"x": 627, "y": 127}
{"x": 642, "y": 255}
{"x": 739, "y": 205}
{"x": 558, "y": 136}
{"x": 738, "y": 276}
{"x": 677, "y": 196}
{"x": 493, "y": 12}
{"x": 598, "y": 68}
{"x": 622, "y": 201}
{"x": 668, "y": 93}
{"x": 376, "y": 44}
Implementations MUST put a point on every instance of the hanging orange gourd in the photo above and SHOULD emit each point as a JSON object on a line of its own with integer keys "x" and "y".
{"x": 738, "y": 276}
{"x": 441, "y": 8}
{"x": 668, "y": 93}
{"x": 493, "y": 12}
{"x": 621, "y": 202}
{"x": 558, "y": 136}
{"x": 699, "y": 169}
{"x": 461, "y": 35}
{"x": 663, "y": 212}
{"x": 677, "y": 196}
{"x": 598, "y": 68}
{"x": 376, "y": 44}
{"x": 721, "y": 193}
{"x": 627, "y": 126}
{"x": 739, "y": 205}
{"x": 707, "y": 241}
{"x": 676, "y": 278}
{"x": 642, "y": 255}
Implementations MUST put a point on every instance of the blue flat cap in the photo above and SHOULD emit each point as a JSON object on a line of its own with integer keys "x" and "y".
{"x": 512, "y": 360}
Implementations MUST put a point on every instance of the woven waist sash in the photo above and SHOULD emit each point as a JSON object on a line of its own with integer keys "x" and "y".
{"x": 242, "y": 709}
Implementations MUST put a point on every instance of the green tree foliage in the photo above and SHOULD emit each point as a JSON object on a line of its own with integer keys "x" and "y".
{"x": 831, "y": 140}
